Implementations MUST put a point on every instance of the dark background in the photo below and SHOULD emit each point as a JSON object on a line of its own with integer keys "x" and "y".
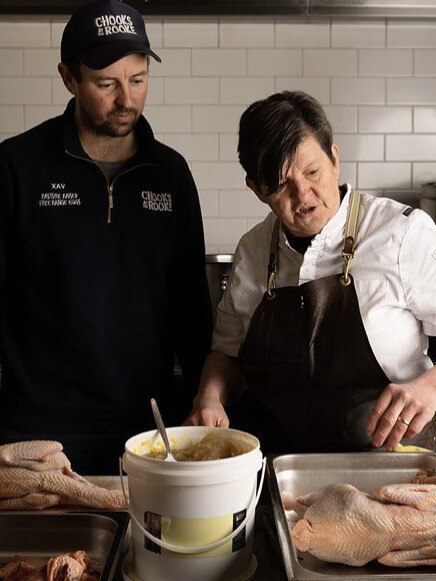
{"x": 163, "y": 7}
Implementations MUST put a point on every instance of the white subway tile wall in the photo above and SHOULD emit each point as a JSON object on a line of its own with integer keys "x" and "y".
{"x": 376, "y": 79}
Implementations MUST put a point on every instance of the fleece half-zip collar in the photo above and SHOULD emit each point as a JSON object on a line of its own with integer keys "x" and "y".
{"x": 145, "y": 154}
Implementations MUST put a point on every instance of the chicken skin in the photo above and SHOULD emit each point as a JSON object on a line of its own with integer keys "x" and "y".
{"x": 36, "y": 474}
{"x": 395, "y": 525}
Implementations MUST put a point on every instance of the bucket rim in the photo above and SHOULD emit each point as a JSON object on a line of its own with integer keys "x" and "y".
{"x": 198, "y": 429}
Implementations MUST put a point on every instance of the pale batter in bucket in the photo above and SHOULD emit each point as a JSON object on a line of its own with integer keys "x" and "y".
{"x": 215, "y": 445}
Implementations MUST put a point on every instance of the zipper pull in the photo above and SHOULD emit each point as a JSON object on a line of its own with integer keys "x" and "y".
{"x": 111, "y": 204}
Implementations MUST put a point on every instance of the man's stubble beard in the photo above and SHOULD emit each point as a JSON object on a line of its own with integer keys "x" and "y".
{"x": 109, "y": 128}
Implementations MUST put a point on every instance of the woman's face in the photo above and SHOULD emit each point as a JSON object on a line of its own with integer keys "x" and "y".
{"x": 308, "y": 193}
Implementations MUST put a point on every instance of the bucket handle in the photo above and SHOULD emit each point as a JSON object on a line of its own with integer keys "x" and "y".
{"x": 204, "y": 548}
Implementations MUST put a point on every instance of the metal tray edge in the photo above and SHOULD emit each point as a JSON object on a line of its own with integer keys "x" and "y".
{"x": 280, "y": 518}
{"x": 293, "y": 570}
{"x": 121, "y": 519}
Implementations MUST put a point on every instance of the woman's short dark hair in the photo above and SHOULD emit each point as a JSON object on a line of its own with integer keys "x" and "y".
{"x": 270, "y": 130}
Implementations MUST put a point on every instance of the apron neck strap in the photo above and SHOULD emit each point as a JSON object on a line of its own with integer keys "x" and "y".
{"x": 349, "y": 245}
{"x": 273, "y": 259}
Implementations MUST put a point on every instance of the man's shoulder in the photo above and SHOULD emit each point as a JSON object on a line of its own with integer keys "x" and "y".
{"x": 35, "y": 136}
{"x": 164, "y": 154}
{"x": 168, "y": 154}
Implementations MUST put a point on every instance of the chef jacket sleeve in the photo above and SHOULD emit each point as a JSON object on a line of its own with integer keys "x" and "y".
{"x": 417, "y": 264}
{"x": 245, "y": 288}
{"x": 229, "y": 328}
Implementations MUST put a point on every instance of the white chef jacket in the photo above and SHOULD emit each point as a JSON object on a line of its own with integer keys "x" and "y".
{"x": 394, "y": 271}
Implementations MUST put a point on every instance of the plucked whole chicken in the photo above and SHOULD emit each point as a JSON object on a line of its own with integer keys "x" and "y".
{"x": 394, "y": 525}
{"x": 36, "y": 474}
{"x": 77, "y": 566}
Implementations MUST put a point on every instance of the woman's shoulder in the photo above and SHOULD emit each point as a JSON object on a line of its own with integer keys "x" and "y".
{"x": 384, "y": 210}
{"x": 260, "y": 234}
{"x": 253, "y": 249}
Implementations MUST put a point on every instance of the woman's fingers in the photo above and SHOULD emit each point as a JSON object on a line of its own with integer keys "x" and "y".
{"x": 401, "y": 411}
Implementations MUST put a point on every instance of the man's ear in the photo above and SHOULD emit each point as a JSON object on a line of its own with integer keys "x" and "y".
{"x": 68, "y": 79}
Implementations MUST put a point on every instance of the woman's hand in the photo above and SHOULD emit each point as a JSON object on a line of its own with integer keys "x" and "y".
{"x": 402, "y": 410}
{"x": 207, "y": 410}
{"x": 221, "y": 381}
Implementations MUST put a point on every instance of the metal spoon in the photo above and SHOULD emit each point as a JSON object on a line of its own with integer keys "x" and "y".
{"x": 162, "y": 430}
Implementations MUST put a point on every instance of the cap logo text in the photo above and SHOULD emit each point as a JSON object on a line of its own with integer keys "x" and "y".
{"x": 110, "y": 24}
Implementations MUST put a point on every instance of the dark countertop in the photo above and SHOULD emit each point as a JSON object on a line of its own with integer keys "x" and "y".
{"x": 267, "y": 550}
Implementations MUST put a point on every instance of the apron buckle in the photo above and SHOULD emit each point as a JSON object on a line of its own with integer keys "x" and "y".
{"x": 271, "y": 285}
{"x": 346, "y": 278}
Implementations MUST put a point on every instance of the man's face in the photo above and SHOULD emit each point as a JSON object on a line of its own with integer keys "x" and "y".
{"x": 109, "y": 101}
{"x": 308, "y": 193}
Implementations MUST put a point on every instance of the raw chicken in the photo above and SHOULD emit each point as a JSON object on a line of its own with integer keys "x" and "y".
{"x": 35, "y": 475}
{"x": 421, "y": 496}
{"x": 76, "y": 566}
{"x": 37, "y": 455}
{"x": 19, "y": 569}
{"x": 423, "y": 478}
{"x": 64, "y": 567}
{"x": 396, "y": 525}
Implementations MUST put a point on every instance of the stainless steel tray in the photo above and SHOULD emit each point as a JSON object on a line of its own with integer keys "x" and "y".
{"x": 31, "y": 534}
{"x": 304, "y": 473}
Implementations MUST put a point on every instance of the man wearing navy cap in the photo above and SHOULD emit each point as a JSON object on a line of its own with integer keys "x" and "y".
{"x": 105, "y": 57}
{"x": 102, "y": 266}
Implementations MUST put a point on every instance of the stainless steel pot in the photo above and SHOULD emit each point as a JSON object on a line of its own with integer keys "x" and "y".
{"x": 218, "y": 267}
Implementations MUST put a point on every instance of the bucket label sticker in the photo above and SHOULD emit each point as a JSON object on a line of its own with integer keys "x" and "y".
{"x": 238, "y": 541}
{"x": 194, "y": 532}
{"x": 152, "y": 524}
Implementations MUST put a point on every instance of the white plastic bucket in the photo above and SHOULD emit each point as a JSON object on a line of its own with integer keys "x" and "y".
{"x": 192, "y": 521}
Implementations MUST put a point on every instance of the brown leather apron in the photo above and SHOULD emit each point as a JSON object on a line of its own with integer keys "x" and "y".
{"x": 311, "y": 374}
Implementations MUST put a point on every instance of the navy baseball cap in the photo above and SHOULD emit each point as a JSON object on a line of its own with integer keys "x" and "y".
{"x": 103, "y": 32}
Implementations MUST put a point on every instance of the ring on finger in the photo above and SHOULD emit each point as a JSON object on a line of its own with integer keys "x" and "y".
{"x": 403, "y": 421}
